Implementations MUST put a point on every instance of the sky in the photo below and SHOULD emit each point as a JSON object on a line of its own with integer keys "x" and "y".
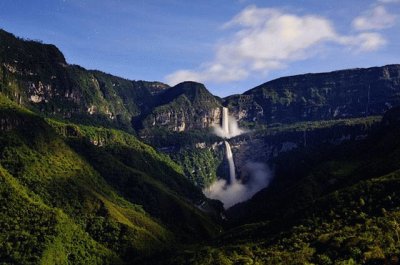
{"x": 229, "y": 45}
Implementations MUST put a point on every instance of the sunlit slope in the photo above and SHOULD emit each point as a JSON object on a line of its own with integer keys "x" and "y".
{"x": 48, "y": 236}
{"x": 77, "y": 191}
{"x": 143, "y": 176}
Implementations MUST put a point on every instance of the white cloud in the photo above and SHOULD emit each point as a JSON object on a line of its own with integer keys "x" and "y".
{"x": 389, "y": 1}
{"x": 364, "y": 42}
{"x": 376, "y": 18}
{"x": 267, "y": 39}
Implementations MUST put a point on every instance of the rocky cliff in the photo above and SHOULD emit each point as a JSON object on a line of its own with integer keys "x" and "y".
{"x": 322, "y": 96}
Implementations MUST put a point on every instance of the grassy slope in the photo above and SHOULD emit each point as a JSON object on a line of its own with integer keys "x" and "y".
{"x": 79, "y": 197}
{"x": 145, "y": 177}
{"x": 48, "y": 236}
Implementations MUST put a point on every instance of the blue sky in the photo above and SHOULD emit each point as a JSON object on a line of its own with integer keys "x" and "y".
{"x": 231, "y": 46}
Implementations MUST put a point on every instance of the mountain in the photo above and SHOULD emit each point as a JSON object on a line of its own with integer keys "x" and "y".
{"x": 336, "y": 95}
{"x": 186, "y": 106}
{"x": 98, "y": 169}
{"x": 37, "y": 76}
{"x": 323, "y": 96}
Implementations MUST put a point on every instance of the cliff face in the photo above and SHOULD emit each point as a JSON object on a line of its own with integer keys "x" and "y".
{"x": 182, "y": 119}
{"x": 265, "y": 147}
{"x": 339, "y": 94}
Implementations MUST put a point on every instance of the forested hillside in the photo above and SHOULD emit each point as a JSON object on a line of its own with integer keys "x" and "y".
{"x": 83, "y": 194}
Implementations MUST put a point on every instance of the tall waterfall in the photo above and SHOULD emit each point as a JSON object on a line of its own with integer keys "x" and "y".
{"x": 228, "y": 151}
{"x": 229, "y": 156}
{"x": 234, "y": 191}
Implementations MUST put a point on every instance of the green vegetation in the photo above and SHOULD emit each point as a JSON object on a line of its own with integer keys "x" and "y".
{"x": 200, "y": 164}
{"x": 340, "y": 94}
{"x": 330, "y": 205}
{"x": 37, "y": 76}
{"x": 188, "y": 105}
{"x": 120, "y": 201}
{"x": 261, "y": 129}
{"x": 77, "y": 186}
{"x": 162, "y": 138}
{"x": 47, "y": 236}
{"x": 350, "y": 226}
{"x": 277, "y": 128}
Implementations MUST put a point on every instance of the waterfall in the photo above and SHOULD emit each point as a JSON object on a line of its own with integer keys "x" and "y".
{"x": 228, "y": 127}
{"x": 229, "y": 156}
{"x": 225, "y": 121}
{"x": 234, "y": 191}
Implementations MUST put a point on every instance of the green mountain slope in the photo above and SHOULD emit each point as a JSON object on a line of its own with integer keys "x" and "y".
{"x": 80, "y": 187}
{"x": 34, "y": 233}
{"x": 77, "y": 187}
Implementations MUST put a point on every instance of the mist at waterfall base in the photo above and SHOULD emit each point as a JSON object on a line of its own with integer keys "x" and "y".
{"x": 232, "y": 193}
{"x": 235, "y": 191}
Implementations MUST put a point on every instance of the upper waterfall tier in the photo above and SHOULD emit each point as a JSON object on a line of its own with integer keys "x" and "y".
{"x": 229, "y": 127}
{"x": 225, "y": 121}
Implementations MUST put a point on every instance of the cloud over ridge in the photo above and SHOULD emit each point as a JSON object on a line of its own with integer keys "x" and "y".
{"x": 374, "y": 19}
{"x": 267, "y": 39}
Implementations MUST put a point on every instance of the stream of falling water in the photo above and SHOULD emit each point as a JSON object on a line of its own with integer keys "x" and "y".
{"x": 229, "y": 156}
{"x": 228, "y": 150}
{"x": 233, "y": 191}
